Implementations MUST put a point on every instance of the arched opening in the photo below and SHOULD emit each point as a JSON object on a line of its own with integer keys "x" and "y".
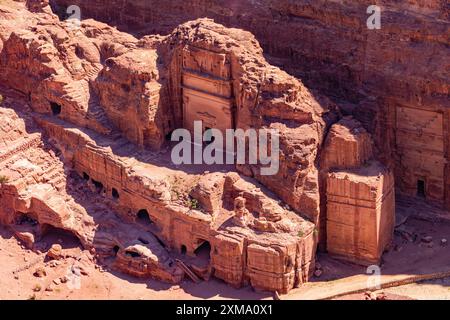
{"x": 98, "y": 185}
{"x": 203, "y": 250}
{"x": 421, "y": 188}
{"x": 143, "y": 217}
{"x": 66, "y": 238}
{"x": 116, "y": 250}
{"x": 115, "y": 193}
{"x": 132, "y": 254}
{"x": 86, "y": 176}
{"x": 183, "y": 249}
{"x": 125, "y": 87}
{"x": 56, "y": 108}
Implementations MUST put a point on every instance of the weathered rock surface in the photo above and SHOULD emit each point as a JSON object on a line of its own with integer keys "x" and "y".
{"x": 371, "y": 73}
{"x": 111, "y": 69}
{"x": 88, "y": 110}
{"x": 360, "y": 213}
{"x": 360, "y": 207}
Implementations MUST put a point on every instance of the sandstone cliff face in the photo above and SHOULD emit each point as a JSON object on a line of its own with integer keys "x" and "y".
{"x": 263, "y": 97}
{"x": 87, "y": 88}
{"x": 129, "y": 90}
{"x": 95, "y": 105}
{"x": 138, "y": 91}
{"x": 371, "y": 73}
{"x": 41, "y": 197}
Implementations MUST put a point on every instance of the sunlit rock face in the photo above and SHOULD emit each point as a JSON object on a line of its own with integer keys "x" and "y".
{"x": 387, "y": 78}
{"x": 88, "y": 111}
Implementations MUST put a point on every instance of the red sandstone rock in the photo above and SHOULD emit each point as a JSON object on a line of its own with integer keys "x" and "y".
{"x": 55, "y": 252}
{"x": 100, "y": 103}
{"x": 329, "y": 44}
{"x": 360, "y": 213}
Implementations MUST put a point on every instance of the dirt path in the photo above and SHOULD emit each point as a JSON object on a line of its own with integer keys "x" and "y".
{"x": 406, "y": 263}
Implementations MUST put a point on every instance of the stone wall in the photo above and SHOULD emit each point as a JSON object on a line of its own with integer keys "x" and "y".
{"x": 370, "y": 73}
{"x": 360, "y": 213}
{"x": 357, "y": 222}
{"x": 278, "y": 260}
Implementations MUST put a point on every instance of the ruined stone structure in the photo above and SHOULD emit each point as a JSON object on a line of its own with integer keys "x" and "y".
{"x": 207, "y": 89}
{"x": 393, "y": 79}
{"x": 87, "y": 113}
{"x": 358, "y": 220}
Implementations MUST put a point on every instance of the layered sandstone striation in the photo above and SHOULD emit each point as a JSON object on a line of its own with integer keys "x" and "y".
{"x": 40, "y": 197}
{"x": 87, "y": 111}
{"x": 394, "y": 80}
{"x": 358, "y": 220}
{"x": 360, "y": 213}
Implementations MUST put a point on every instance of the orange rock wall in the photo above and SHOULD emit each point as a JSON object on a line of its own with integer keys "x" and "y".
{"x": 374, "y": 73}
{"x": 360, "y": 213}
{"x": 277, "y": 263}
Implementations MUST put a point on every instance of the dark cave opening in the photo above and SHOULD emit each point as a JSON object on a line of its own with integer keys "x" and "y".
{"x": 66, "y": 238}
{"x": 143, "y": 217}
{"x": 132, "y": 254}
{"x": 421, "y": 188}
{"x": 98, "y": 185}
{"x": 56, "y": 108}
{"x": 115, "y": 193}
{"x": 25, "y": 219}
{"x": 203, "y": 250}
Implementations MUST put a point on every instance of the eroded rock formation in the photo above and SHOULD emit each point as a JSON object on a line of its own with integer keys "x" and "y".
{"x": 87, "y": 111}
{"x": 394, "y": 80}
{"x": 94, "y": 89}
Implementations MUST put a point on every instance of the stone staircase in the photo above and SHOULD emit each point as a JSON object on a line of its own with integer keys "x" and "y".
{"x": 77, "y": 92}
{"x": 97, "y": 115}
{"x": 19, "y": 146}
{"x": 93, "y": 73}
{"x": 57, "y": 179}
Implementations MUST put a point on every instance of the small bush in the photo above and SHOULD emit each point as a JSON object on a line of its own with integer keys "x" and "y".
{"x": 4, "y": 179}
{"x": 193, "y": 204}
{"x": 301, "y": 234}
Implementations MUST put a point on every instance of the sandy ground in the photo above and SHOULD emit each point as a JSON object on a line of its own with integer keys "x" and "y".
{"x": 98, "y": 283}
{"x": 435, "y": 290}
{"x": 425, "y": 290}
{"x": 407, "y": 258}
{"x": 18, "y": 265}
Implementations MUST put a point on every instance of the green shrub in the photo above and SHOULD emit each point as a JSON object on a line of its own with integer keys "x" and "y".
{"x": 193, "y": 203}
